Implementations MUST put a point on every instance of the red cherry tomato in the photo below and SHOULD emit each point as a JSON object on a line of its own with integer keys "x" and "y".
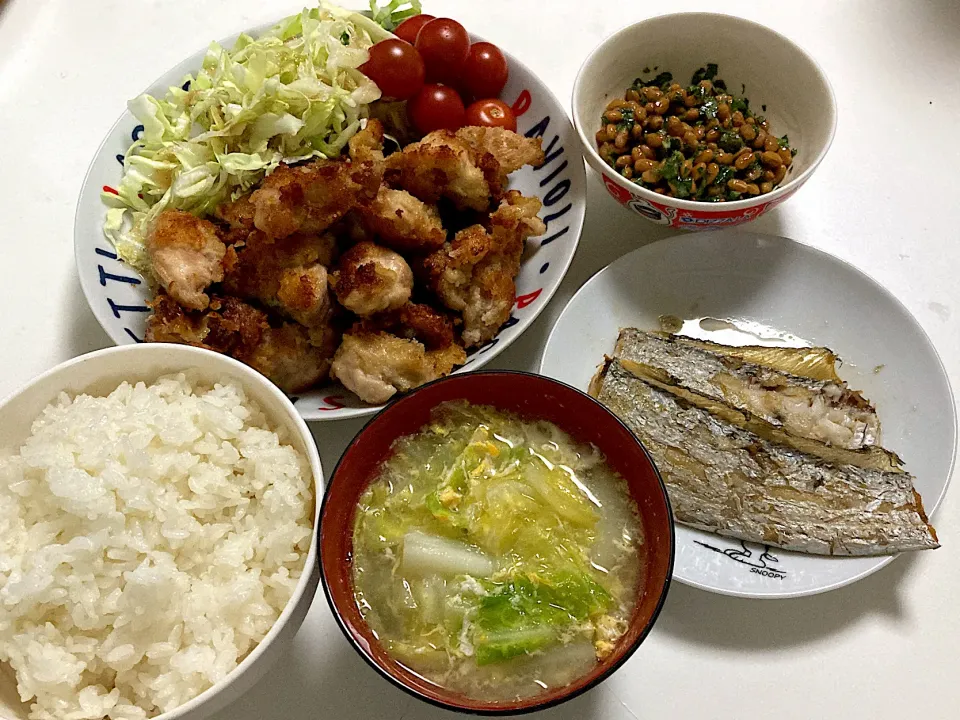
{"x": 396, "y": 67}
{"x": 443, "y": 44}
{"x": 436, "y": 107}
{"x": 408, "y": 29}
{"x": 485, "y": 71}
{"x": 491, "y": 113}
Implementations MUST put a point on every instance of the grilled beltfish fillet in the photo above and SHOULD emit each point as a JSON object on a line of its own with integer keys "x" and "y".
{"x": 825, "y": 410}
{"x": 726, "y": 479}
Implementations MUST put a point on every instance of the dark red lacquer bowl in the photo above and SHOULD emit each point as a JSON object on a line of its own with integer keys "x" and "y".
{"x": 530, "y": 396}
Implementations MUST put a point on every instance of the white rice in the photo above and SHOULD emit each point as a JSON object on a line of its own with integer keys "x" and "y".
{"x": 148, "y": 542}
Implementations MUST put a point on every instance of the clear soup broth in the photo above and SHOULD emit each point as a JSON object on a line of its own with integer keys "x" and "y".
{"x": 496, "y": 557}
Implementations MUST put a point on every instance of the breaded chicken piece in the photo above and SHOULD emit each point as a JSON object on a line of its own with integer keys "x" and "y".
{"x": 475, "y": 273}
{"x": 516, "y": 220}
{"x": 414, "y": 321}
{"x": 228, "y": 326}
{"x": 186, "y": 255}
{"x": 311, "y": 197}
{"x": 351, "y": 229}
{"x": 288, "y": 274}
{"x": 511, "y": 150}
{"x": 402, "y": 222}
{"x": 474, "y": 278}
{"x": 377, "y": 365}
{"x": 236, "y": 218}
{"x": 367, "y": 144}
{"x": 371, "y": 279}
{"x": 442, "y": 165}
{"x": 284, "y": 354}
{"x": 291, "y": 357}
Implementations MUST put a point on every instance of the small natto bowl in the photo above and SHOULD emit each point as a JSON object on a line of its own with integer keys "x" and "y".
{"x": 532, "y": 397}
{"x": 775, "y": 73}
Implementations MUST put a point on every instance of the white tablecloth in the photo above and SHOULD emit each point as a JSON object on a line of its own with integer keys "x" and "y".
{"x": 885, "y": 198}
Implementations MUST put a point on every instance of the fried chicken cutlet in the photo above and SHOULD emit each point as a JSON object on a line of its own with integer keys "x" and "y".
{"x": 511, "y": 150}
{"x": 285, "y": 354}
{"x": 442, "y": 165}
{"x": 415, "y": 321}
{"x": 288, "y": 274}
{"x": 281, "y": 297}
{"x": 371, "y": 279}
{"x": 375, "y": 365}
{"x": 367, "y": 144}
{"x": 396, "y": 351}
{"x": 311, "y": 197}
{"x": 186, "y": 255}
{"x": 403, "y": 222}
{"x": 474, "y": 275}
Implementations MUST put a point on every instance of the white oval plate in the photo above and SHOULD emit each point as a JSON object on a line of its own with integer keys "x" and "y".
{"x": 763, "y": 283}
{"x": 117, "y": 295}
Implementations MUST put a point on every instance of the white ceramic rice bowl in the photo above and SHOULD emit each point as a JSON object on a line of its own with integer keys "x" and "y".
{"x": 100, "y": 373}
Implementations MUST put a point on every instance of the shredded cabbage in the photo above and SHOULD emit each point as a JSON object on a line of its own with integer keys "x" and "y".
{"x": 394, "y": 12}
{"x": 292, "y": 94}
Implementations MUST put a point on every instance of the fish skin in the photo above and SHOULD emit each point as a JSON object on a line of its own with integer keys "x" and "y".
{"x": 752, "y": 388}
{"x": 814, "y": 363}
{"x": 725, "y": 479}
{"x": 870, "y": 458}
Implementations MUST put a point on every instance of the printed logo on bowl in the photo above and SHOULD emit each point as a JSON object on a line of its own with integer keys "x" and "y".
{"x": 118, "y": 296}
{"x": 660, "y": 214}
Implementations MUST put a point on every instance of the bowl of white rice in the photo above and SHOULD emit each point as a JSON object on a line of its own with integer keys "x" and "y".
{"x": 158, "y": 506}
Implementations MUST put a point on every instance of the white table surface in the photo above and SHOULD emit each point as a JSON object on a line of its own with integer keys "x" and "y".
{"x": 885, "y": 199}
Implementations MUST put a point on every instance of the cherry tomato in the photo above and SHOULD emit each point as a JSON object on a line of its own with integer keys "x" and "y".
{"x": 443, "y": 44}
{"x": 408, "y": 29}
{"x": 436, "y": 107}
{"x": 491, "y": 113}
{"x": 396, "y": 67}
{"x": 485, "y": 71}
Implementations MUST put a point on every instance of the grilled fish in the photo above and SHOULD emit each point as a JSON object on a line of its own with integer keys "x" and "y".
{"x": 823, "y": 410}
{"x": 725, "y": 478}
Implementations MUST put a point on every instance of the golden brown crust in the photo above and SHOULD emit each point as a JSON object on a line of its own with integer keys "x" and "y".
{"x": 273, "y": 247}
{"x": 441, "y": 165}
{"x": 367, "y": 144}
{"x": 375, "y": 365}
{"x": 236, "y": 218}
{"x": 403, "y": 222}
{"x": 414, "y": 321}
{"x": 511, "y": 150}
{"x": 474, "y": 275}
{"x": 371, "y": 279}
{"x": 289, "y": 355}
{"x": 186, "y": 255}
{"x": 229, "y": 325}
{"x": 288, "y": 274}
{"x": 313, "y": 196}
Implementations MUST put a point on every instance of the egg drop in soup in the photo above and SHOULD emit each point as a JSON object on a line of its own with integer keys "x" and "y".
{"x": 495, "y": 556}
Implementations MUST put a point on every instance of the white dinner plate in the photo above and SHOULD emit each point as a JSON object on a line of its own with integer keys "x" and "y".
{"x": 118, "y": 296}
{"x": 782, "y": 293}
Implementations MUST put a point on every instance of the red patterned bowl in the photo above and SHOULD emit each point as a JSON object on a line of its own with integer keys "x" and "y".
{"x": 530, "y": 396}
{"x": 777, "y": 75}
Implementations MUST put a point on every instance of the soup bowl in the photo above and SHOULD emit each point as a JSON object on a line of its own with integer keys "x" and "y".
{"x": 782, "y": 81}
{"x": 534, "y": 398}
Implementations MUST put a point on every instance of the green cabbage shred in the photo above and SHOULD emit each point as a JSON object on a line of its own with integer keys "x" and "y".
{"x": 291, "y": 94}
